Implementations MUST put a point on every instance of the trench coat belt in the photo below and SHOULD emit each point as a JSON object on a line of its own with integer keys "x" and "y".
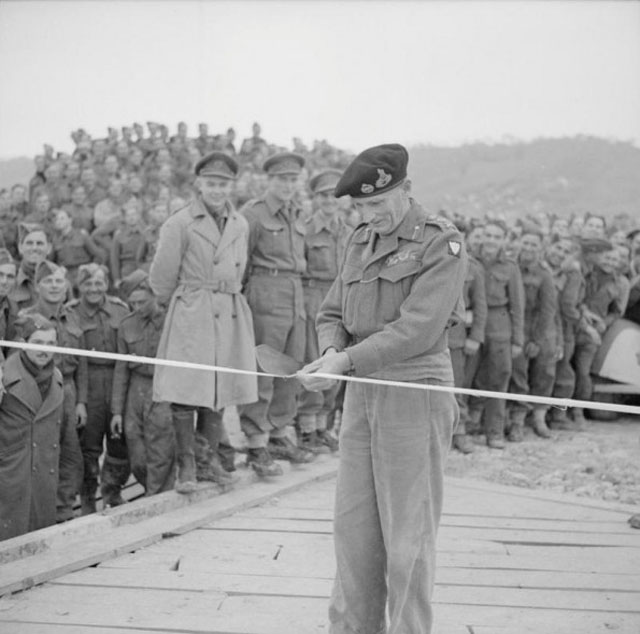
{"x": 316, "y": 283}
{"x": 230, "y": 287}
{"x": 497, "y": 306}
{"x": 264, "y": 270}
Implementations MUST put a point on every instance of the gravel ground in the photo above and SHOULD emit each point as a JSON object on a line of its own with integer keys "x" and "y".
{"x": 602, "y": 462}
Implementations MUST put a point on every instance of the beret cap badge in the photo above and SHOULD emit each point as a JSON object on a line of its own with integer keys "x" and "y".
{"x": 366, "y": 188}
{"x": 383, "y": 178}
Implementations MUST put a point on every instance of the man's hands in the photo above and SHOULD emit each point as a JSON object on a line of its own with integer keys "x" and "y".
{"x": 331, "y": 362}
{"x": 116, "y": 426}
{"x": 471, "y": 346}
{"x": 81, "y": 415}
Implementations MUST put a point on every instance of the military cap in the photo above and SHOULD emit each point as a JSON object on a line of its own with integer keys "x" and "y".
{"x": 325, "y": 181}
{"x": 139, "y": 279}
{"x": 6, "y": 257}
{"x": 45, "y": 269}
{"x": 87, "y": 271}
{"x": 375, "y": 171}
{"x": 27, "y": 228}
{"x": 217, "y": 164}
{"x": 595, "y": 245}
{"x": 284, "y": 163}
{"x": 26, "y": 325}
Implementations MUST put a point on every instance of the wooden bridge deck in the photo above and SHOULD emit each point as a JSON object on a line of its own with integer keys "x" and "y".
{"x": 509, "y": 561}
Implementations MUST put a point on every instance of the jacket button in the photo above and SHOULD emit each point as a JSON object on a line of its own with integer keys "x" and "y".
{"x": 34, "y": 445}
{"x": 52, "y": 470}
{"x": 55, "y": 445}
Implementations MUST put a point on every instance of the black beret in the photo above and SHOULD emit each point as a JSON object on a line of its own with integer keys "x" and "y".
{"x": 325, "y": 181}
{"x": 374, "y": 171}
{"x": 217, "y": 164}
{"x": 284, "y": 163}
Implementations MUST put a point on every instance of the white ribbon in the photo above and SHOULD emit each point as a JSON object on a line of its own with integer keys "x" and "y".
{"x": 561, "y": 403}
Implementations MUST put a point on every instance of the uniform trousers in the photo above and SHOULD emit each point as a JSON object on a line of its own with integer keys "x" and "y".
{"x": 314, "y": 408}
{"x": 532, "y": 376}
{"x": 493, "y": 373}
{"x": 393, "y": 446}
{"x": 464, "y": 369}
{"x": 150, "y": 436}
{"x": 98, "y": 426}
{"x": 583, "y": 356}
{"x": 277, "y": 306}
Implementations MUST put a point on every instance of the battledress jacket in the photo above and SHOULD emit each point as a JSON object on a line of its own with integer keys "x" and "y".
{"x": 198, "y": 272}
{"x": 390, "y": 310}
{"x": 29, "y": 450}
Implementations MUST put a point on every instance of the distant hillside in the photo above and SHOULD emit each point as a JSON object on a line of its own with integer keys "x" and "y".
{"x": 553, "y": 175}
{"x": 15, "y": 170}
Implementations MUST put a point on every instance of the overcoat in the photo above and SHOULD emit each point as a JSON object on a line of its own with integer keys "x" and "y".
{"x": 198, "y": 271}
{"x": 29, "y": 450}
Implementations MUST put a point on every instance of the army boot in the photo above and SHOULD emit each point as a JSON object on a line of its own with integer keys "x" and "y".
{"x": 473, "y": 425}
{"x": 185, "y": 453}
{"x": 579, "y": 421}
{"x": 462, "y": 443}
{"x": 516, "y": 425}
{"x": 208, "y": 465}
{"x": 114, "y": 475}
{"x": 283, "y": 448}
{"x": 260, "y": 460}
{"x": 539, "y": 423}
{"x": 89, "y": 487}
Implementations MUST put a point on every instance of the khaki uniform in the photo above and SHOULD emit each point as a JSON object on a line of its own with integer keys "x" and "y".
{"x": 570, "y": 287}
{"x": 535, "y": 375}
{"x": 389, "y": 311}
{"x": 274, "y": 292}
{"x": 73, "y": 250}
{"x": 24, "y": 293}
{"x": 505, "y": 327}
{"x": 74, "y": 372}
{"x": 123, "y": 257}
{"x": 81, "y": 216}
{"x": 147, "y": 424}
{"x": 99, "y": 326}
{"x": 322, "y": 250}
{"x": 603, "y": 296}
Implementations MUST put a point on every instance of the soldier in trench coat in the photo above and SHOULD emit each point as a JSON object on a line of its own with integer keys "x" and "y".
{"x": 197, "y": 270}
{"x": 30, "y": 422}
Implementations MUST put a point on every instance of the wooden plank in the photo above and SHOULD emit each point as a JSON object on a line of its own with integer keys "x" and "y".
{"x": 22, "y": 574}
{"x": 535, "y": 620}
{"x": 206, "y": 612}
{"x": 457, "y": 519}
{"x": 309, "y": 585}
{"x": 22, "y": 627}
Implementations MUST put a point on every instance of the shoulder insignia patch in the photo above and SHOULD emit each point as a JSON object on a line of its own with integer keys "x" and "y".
{"x": 454, "y": 247}
{"x": 440, "y": 221}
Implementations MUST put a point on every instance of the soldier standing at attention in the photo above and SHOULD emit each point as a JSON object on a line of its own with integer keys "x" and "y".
{"x": 197, "y": 272}
{"x": 99, "y": 316}
{"x": 323, "y": 235}
{"x": 274, "y": 292}
{"x": 146, "y": 424}
{"x": 8, "y": 308}
{"x": 504, "y": 334}
{"x": 534, "y": 370}
{"x": 385, "y": 317}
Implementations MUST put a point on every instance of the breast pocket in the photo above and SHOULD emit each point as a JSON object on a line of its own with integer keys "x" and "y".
{"x": 497, "y": 288}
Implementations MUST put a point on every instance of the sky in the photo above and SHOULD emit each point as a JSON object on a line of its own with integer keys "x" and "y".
{"x": 355, "y": 72}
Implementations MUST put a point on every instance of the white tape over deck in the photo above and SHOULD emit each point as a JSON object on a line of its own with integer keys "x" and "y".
{"x": 561, "y": 403}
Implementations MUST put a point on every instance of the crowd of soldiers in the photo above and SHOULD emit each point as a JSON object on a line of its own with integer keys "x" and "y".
{"x": 79, "y": 241}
